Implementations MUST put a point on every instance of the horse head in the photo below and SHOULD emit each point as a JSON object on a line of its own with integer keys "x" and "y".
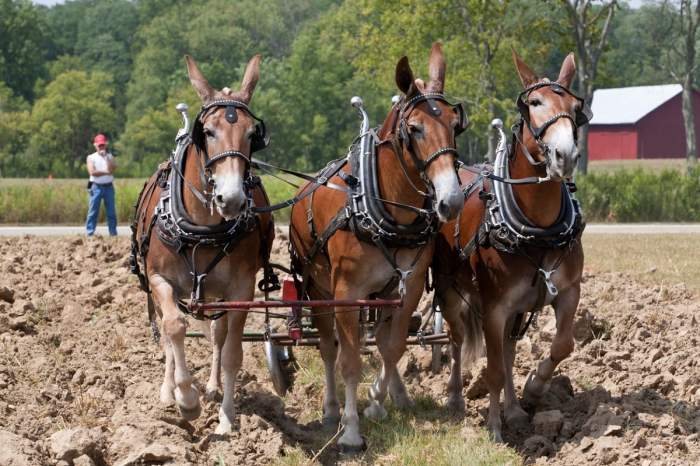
{"x": 552, "y": 114}
{"x": 427, "y": 127}
{"x": 226, "y": 132}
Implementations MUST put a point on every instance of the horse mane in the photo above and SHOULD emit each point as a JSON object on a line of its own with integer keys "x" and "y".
{"x": 387, "y": 127}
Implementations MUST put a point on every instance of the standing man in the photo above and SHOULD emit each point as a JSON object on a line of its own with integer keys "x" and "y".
{"x": 100, "y": 166}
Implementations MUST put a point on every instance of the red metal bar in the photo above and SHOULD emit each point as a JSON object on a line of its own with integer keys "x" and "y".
{"x": 233, "y": 305}
{"x": 312, "y": 339}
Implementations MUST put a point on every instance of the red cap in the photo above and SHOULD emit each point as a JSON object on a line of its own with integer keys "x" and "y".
{"x": 100, "y": 139}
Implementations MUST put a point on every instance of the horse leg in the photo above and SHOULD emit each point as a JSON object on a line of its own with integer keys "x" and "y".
{"x": 453, "y": 309}
{"x": 167, "y": 389}
{"x": 350, "y": 362}
{"x": 231, "y": 361}
{"x": 391, "y": 337}
{"x": 564, "y": 306}
{"x": 494, "y": 324}
{"x": 377, "y": 391}
{"x": 329, "y": 352}
{"x": 174, "y": 326}
{"x": 515, "y": 415}
{"x": 218, "y": 338}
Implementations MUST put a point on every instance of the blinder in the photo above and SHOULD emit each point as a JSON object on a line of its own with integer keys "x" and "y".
{"x": 462, "y": 124}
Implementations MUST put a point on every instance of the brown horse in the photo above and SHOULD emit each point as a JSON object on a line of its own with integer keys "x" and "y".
{"x": 216, "y": 193}
{"x": 485, "y": 285}
{"x": 415, "y": 155}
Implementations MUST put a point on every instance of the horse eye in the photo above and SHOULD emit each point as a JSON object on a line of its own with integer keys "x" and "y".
{"x": 415, "y": 127}
{"x": 535, "y": 102}
{"x": 208, "y": 133}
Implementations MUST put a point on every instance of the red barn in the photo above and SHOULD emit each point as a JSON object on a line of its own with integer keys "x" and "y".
{"x": 643, "y": 122}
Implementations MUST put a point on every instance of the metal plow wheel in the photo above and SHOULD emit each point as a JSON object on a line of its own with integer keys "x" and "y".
{"x": 436, "y": 363}
{"x": 281, "y": 365}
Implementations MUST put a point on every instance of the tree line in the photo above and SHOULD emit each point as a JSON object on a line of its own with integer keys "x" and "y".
{"x": 116, "y": 66}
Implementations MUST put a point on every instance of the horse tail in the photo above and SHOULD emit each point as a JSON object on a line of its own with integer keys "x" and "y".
{"x": 473, "y": 343}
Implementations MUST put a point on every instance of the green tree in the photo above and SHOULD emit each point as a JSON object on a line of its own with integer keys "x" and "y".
{"x": 150, "y": 139}
{"x": 222, "y": 35}
{"x": 14, "y": 117}
{"x": 75, "y": 107}
{"x": 590, "y": 24}
{"x": 23, "y": 44}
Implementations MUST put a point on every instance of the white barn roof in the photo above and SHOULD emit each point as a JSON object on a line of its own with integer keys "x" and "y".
{"x": 627, "y": 105}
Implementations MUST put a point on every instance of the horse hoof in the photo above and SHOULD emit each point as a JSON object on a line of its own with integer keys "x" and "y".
{"x": 190, "y": 414}
{"x": 456, "y": 405}
{"x": 347, "y": 449}
{"x": 496, "y": 436}
{"x": 533, "y": 390}
{"x": 330, "y": 422}
{"x": 402, "y": 402}
{"x": 375, "y": 411}
{"x": 212, "y": 395}
{"x": 167, "y": 400}
{"x": 517, "y": 419}
{"x": 167, "y": 395}
{"x": 223, "y": 429}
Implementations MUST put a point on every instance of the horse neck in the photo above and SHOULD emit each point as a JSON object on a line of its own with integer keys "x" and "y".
{"x": 540, "y": 203}
{"x": 395, "y": 186}
{"x": 199, "y": 214}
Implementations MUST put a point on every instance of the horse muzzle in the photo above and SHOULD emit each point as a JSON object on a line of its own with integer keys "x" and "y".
{"x": 561, "y": 165}
{"x": 449, "y": 205}
{"x": 230, "y": 204}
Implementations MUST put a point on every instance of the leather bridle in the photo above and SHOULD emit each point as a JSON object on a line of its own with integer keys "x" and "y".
{"x": 582, "y": 116}
{"x": 259, "y": 141}
{"x": 402, "y": 136}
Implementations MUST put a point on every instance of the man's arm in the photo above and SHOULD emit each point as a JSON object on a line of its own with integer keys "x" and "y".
{"x": 92, "y": 171}
{"x": 111, "y": 164}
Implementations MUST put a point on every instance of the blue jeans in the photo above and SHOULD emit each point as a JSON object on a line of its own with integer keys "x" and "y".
{"x": 97, "y": 194}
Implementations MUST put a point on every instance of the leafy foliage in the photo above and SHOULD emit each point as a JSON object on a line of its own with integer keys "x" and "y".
{"x": 22, "y": 45}
{"x": 641, "y": 196}
{"x": 116, "y": 66}
{"x": 76, "y": 106}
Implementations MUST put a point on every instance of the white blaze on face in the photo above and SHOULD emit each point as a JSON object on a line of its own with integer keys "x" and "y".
{"x": 229, "y": 195}
{"x": 563, "y": 151}
{"x": 449, "y": 198}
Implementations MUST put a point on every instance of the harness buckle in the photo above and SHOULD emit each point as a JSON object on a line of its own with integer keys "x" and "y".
{"x": 403, "y": 275}
{"x": 547, "y": 277}
{"x": 421, "y": 338}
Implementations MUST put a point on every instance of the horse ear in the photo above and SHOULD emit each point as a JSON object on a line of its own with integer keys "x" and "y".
{"x": 199, "y": 82}
{"x": 568, "y": 70}
{"x": 250, "y": 78}
{"x": 404, "y": 76}
{"x": 436, "y": 69}
{"x": 527, "y": 76}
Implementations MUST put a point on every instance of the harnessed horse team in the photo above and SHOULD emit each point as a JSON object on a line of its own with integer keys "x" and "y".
{"x": 502, "y": 241}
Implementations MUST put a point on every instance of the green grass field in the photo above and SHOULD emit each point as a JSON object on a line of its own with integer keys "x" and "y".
{"x": 656, "y": 165}
{"x": 32, "y": 201}
{"x": 616, "y": 191}
{"x": 653, "y": 259}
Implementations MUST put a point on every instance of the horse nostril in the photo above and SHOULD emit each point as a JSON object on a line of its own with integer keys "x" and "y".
{"x": 443, "y": 208}
{"x": 219, "y": 199}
